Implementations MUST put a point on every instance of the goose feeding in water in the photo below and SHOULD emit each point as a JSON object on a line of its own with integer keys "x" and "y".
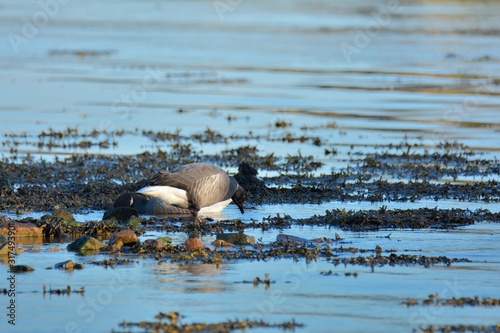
{"x": 192, "y": 188}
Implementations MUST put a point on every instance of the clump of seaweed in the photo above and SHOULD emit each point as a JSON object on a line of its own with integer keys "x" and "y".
{"x": 460, "y": 328}
{"x": 434, "y": 299}
{"x": 174, "y": 325}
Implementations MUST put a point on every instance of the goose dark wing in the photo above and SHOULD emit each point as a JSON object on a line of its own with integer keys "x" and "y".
{"x": 205, "y": 184}
{"x": 165, "y": 178}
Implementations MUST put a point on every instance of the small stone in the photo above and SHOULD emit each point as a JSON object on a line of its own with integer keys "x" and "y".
{"x": 284, "y": 238}
{"x": 194, "y": 243}
{"x": 21, "y": 269}
{"x": 125, "y": 237}
{"x": 134, "y": 221}
{"x": 121, "y": 214}
{"x": 154, "y": 244}
{"x": 165, "y": 240}
{"x": 4, "y": 249}
{"x": 236, "y": 238}
{"x": 68, "y": 264}
{"x": 64, "y": 216}
{"x": 85, "y": 243}
{"x": 111, "y": 248}
{"x": 222, "y": 243}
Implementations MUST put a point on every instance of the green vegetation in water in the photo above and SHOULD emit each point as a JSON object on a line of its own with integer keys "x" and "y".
{"x": 174, "y": 325}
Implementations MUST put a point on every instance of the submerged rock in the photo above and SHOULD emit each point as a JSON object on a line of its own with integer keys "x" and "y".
{"x": 124, "y": 237}
{"x": 68, "y": 264}
{"x": 236, "y": 238}
{"x": 284, "y": 238}
{"x": 21, "y": 268}
{"x": 85, "y": 243}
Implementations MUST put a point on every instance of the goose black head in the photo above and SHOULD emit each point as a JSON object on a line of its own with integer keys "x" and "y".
{"x": 239, "y": 198}
{"x": 132, "y": 200}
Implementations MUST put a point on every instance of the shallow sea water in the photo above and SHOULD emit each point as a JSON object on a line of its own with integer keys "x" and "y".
{"x": 425, "y": 72}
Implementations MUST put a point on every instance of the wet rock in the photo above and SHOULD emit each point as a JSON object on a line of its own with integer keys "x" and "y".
{"x": 112, "y": 248}
{"x": 4, "y": 249}
{"x": 85, "y": 243}
{"x": 134, "y": 221}
{"x": 68, "y": 264}
{"x": 194, "y": 243}
{"x": 153, "y": 244}
{"x": 121, "y": 214}
{"x": 222, "y": 243}
{"x": 284, "y": 238}
{"x": 124, "y": 237}
{"x": 165, "y": 240}
{"x": 22, "y": 229}
{"x": 324, "y": 240}
{"x": 64, "y": 216}
{"x": 21, "y": 269}
{"x": 236, "y": 238}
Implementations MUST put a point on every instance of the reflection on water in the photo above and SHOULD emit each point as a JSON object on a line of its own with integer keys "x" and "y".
{"x": 189, "y": 278}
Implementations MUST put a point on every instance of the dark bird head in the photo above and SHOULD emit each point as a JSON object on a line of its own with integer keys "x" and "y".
{"x": 239, "y": 198}
{"x": 132, "y": 200}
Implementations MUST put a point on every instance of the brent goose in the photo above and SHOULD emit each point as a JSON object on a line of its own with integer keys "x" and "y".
{"x": 192, "y": 188}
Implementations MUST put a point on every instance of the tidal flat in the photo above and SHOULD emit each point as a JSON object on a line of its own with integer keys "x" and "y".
{"x": 365, "y": 134}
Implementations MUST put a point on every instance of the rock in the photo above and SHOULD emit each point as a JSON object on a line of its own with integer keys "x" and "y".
{"x": 222, "y": 243}
{"x": 165, "y": 240}
{"x": 111, "y": 248}
{"x": 153, "y": 244}
{"x": 284, "y": 238}
{"x": 121, "y": 214}
{"x": 22, "y": 229}
{"x": 21, "y": 269}
{"x": 85, "y": 243}
{"x": 68, "y": 264}
{"x": 4, "y": 249}
{"x": 64, "y": 216}
{"x": 236, "y": 238}
{"x": 124, "y": 237}
{"x": 194, "y": 243}
{"x": 323, "y": 240}
{"x": 134, "y": 221}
